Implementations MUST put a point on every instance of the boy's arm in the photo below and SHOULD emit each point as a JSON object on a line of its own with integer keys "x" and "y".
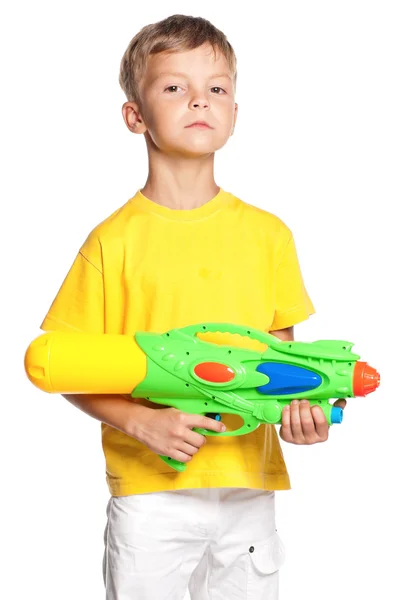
{"x": 285, "y": 335}
{"x": 166, "y": 431}
{"x": 80, "y": 306}
{"x": 115, "y": 410}
{"x": 301, "y": 423}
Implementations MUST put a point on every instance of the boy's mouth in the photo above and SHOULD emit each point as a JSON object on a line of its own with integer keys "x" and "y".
{"x": 199, "y": 125}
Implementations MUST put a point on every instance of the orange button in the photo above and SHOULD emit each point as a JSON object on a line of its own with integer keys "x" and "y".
{"x": 214, "y": 372}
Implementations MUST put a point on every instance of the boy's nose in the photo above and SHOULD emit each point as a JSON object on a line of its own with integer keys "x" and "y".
{"x": 199, "y": 103}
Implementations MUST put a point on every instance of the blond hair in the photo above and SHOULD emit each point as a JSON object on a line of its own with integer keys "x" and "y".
{"x": 176, "y": 33}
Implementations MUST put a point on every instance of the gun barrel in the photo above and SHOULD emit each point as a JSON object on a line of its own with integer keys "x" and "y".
{"x": 81, "y": 363}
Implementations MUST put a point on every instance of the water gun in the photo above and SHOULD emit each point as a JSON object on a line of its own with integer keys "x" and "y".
{"x": 179, "y": 369}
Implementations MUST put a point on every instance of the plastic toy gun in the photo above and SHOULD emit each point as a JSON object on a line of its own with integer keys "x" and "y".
{"x": 179, "y": 369}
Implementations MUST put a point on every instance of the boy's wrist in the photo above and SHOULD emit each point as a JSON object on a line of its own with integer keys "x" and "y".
{"x": 136, "y": 416}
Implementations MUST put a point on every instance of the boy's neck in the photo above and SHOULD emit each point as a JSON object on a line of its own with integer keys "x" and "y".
{"x": 180, "y": 183}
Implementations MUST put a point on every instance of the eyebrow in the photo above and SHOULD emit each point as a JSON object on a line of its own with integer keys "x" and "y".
{"x": 178, "y": 74}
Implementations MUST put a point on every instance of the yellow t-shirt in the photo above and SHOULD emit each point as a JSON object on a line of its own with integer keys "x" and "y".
{"x": 152, "y": 268}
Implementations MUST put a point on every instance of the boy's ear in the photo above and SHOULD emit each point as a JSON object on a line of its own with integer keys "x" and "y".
{"x": 235, "y": 117}
{"x": 132, "y": 117}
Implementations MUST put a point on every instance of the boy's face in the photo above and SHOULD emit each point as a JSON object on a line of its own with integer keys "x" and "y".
{"x": 178, "y": 90}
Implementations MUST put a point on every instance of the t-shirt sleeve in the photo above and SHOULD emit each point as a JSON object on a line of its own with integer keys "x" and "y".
{"x": 292, "y": 302}
{"x": 79, "y": 304}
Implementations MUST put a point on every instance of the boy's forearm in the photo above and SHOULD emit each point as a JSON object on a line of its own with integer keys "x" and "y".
{"x": 117, "y": 411}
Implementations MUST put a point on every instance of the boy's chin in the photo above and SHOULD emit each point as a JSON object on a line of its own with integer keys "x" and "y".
{"x": 193, "y": 151}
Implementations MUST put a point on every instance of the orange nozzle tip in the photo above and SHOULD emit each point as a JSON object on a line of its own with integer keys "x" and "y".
{"x": 366, "y": 379}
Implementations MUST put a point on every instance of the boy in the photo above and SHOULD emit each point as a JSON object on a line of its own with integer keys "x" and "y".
{"x": 183, "y": 251}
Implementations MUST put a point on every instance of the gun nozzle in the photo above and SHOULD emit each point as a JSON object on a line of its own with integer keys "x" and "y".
{"x": 366, "y": 379}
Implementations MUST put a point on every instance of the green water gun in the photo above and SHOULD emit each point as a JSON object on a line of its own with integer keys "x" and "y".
{"x": 179, "y": 369}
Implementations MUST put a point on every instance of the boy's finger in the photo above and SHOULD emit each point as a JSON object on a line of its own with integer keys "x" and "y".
{"x": 295, "y": 421}
{"x": 307, "y": 420}
{"x": 187, "y": 449}
{"x": 180, "y": 456}
{"x": 286, "y": 431}
{"x": 341, "y": 403}
{"x": 195, "y": 439}
{"x": 321, "y": 424}
{"x": 206, "y": 423}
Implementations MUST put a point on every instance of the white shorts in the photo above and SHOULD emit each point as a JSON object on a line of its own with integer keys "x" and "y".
{"x": 220, "y": 543}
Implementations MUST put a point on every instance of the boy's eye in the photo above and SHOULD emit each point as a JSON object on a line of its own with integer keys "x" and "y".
{"x": 174, "y": 88}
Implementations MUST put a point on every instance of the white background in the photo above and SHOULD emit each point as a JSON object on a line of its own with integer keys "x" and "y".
{"x": 315, "y": 143}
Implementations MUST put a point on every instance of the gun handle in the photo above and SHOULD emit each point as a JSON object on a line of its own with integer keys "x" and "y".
{"x": 174, "y": 464}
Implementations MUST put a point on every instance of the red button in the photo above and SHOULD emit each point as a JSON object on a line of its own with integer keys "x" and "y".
{"x": 214, "y": 372}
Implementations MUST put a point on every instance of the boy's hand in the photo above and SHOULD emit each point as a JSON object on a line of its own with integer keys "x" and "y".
{"x": 305, "y": 424}
{"x": 168, "y": 431}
